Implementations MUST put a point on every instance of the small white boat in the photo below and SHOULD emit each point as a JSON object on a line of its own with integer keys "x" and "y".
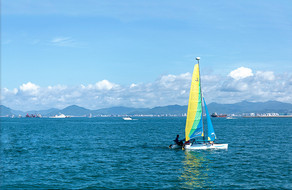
{"x": 59, "y": 116}
{"x": 230, "y": 117}
{"x": 39, "y": 116}
{"x": 127, "y": 118}
{"x": 198, "y": 135}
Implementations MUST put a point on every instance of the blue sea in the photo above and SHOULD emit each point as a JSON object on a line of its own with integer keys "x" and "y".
{"x": 98, "y": 153}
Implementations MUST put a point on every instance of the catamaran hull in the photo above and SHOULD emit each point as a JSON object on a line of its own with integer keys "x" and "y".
{"x": 175, "y": 146}
{"x": 205, "y": 146}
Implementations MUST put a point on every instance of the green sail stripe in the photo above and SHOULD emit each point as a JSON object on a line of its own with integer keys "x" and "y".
{"x": 198, "y": 116}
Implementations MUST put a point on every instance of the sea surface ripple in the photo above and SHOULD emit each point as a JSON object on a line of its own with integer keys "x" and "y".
{"x": 98, "y": 153}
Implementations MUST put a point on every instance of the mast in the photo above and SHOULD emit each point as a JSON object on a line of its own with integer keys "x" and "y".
{"x": 198, "y": 59}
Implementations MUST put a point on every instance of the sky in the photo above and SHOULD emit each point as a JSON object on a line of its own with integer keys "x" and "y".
{"x": 99, "y": 54}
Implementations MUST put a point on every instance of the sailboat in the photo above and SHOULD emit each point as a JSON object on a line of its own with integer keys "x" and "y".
{"x": 198, "y": 135}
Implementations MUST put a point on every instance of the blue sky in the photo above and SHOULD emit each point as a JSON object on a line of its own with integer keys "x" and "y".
{"x": 110, "y": 45}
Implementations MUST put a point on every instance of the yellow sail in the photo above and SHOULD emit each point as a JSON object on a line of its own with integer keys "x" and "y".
{"x": 194, "y": 116}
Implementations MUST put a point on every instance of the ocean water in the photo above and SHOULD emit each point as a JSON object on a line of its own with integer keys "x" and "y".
{"x": 93, "y": 153}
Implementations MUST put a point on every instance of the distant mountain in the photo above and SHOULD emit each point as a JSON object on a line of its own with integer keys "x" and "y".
{"x": 72, "y": 111}
{"x": 43, "y": 112}
{"x": 17, "y": 112}
{"x": 4, "y": 111}
{"x": 237, "y": 108}
{"x": 172, "y": 110}
{"x": 251, "y": 107}
{"x": 118, "y": 111}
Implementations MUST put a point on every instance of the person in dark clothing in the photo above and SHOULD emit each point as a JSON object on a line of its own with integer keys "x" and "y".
{"x": 177, "y": 141}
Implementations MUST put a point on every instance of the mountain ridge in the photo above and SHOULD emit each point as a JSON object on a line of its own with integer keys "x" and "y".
{"x": 236, "y": 108}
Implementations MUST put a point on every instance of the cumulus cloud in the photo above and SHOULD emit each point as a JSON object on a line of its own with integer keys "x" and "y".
{"x": 241, "y": 73}
{"x": 105, "y": 85}
{"x": 29, "y": 88}
{"x": 261, "y": 86}
{"x": 173, "y": 82}
{"x": 166, "y": 90}
{"x": 133, "y": 85}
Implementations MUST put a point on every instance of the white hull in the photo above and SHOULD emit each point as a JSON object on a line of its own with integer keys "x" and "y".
{"x": 127, "y": 119}
{"x": 59, "y": 116}
{"x": 175, "y": 146}
{"x": 205, "y": 146}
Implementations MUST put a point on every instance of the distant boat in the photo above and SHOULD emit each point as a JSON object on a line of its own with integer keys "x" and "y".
{"x": 198, "y": 135}
{"x": 127, "y": 118}
{"x": 39, "y": 116}
{"x": 216, "y": 115}
{"x": 230, "y": 117}
{"x": 60, "y": 116}
{"x": 27, "y": 115}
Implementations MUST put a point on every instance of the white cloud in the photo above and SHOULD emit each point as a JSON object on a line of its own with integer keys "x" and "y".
{"x": 29, "y": 88}
{"x": 133, "y": 85}
{"x": 105, "y": 85}
{"x": 166, "y": 90}
{"x": 240, "y": 73}
{"x": 174, "y": 82}
{"x": 5, "y": 92}
{"x": 265, "y": 75}
{"x": 15, "y": 90}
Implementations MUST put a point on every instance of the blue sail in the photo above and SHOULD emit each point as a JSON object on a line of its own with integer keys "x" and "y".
{"x": 211, "y": 132}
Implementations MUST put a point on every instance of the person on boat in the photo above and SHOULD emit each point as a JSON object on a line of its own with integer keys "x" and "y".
{"x": 177, "y": 141}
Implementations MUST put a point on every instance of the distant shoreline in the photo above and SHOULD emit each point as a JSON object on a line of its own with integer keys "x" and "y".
{"x": 283, "y": 116}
